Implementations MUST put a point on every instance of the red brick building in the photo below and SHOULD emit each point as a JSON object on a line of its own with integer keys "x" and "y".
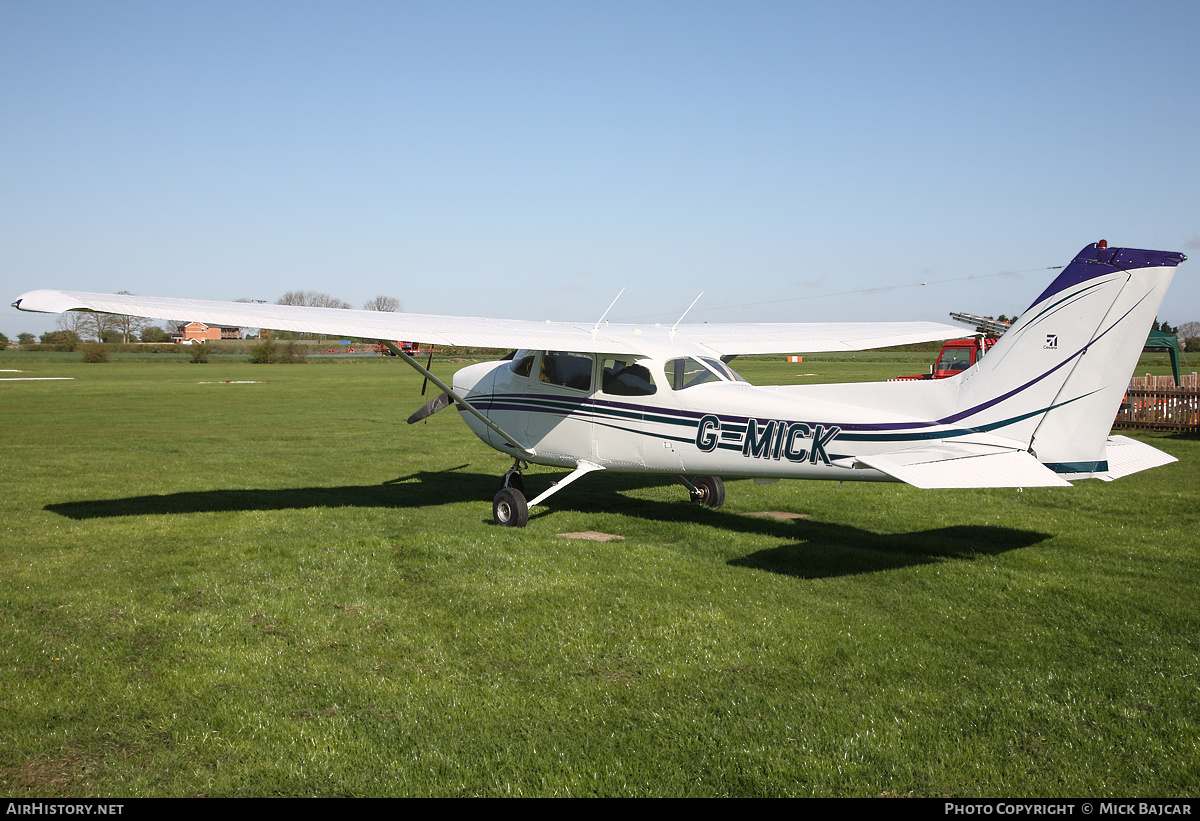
{"x": 199, "y": 332}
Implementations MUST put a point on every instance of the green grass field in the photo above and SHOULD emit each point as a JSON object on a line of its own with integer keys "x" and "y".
{"x": 280, "y": 588}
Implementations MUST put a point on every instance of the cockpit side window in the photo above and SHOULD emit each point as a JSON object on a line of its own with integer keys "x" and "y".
{"x": 522, "y": 362}
{"x": 624, "y": 377}
{"x": 686, "y": 372}
{"x": 567, "y": 369}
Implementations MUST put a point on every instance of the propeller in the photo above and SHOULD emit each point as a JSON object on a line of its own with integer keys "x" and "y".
{"x": 431, "y": 407}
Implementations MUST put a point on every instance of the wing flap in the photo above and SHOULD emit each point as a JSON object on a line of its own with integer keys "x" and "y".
{"x": 962, "y": 465}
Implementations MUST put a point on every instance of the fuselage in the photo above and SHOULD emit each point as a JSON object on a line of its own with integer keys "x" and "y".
{"x": 687, "y": 416}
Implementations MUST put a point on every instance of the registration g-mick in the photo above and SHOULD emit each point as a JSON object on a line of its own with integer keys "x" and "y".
{"x": 771, "y": 439}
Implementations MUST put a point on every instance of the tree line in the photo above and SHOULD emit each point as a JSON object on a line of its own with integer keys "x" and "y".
{"x": 81, "y": 326}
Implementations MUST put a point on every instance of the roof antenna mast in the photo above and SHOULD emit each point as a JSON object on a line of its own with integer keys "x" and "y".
{"x": 685, "y": 313}
{"x": 606, "y": 310}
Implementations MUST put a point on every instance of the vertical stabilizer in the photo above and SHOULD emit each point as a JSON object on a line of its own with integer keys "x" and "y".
{"x": 1053, "y": 383}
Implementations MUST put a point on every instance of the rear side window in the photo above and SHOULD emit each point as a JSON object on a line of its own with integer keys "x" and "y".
{"x": 626, "y": 378}
{"x": 567, "y": 369}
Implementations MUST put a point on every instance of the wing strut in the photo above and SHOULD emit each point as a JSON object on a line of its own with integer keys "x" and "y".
{"x": 394, "y": 348}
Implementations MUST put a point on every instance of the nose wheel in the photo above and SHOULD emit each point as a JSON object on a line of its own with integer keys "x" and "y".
{"x": 509, "y": 508}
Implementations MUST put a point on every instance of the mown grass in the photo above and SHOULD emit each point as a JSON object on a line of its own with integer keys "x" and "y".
{"x": 282, "y": 589}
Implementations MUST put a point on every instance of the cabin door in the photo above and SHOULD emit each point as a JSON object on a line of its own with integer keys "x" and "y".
{"x": 559, "y": 425}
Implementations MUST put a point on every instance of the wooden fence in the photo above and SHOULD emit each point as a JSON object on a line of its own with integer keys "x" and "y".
{"x": 1154, "y": 403}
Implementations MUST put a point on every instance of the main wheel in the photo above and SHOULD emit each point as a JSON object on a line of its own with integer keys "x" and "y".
{"x": 710, "y": 491}
{"x": 509, "y": 508}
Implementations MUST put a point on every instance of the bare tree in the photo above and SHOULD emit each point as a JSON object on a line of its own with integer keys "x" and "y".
{"x": 72, "y": 321}
{"x": 1189, "y": 332}
{"x": 127, "y": 326}
{"x": 311, "y": 299}
{"x": 100, "y": 325}
{"x": 86, "y": 324}
{"x": 383, "y": 303}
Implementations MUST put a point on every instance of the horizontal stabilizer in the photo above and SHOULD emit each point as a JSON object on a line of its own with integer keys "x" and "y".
{"x": 1126, "y": 456}
{"x": 958, "y": 465}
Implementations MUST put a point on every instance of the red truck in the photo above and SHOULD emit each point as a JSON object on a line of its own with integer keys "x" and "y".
{"x": 957, "y": 355}
{"x": 408, "y": 347}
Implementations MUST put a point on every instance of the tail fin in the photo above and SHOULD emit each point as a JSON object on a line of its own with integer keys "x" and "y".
{"x": 1055, "y": 380}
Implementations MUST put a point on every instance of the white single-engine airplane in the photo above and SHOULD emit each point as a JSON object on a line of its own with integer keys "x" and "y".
{"x": 1035, "y": 411}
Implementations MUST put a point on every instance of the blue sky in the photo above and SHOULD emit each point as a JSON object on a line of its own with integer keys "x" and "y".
{"x": 794, "y": 161}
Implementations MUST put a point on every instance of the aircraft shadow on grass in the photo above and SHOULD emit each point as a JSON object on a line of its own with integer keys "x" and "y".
{"x": 814, "y": 550}
{"x": 823, "y": 550}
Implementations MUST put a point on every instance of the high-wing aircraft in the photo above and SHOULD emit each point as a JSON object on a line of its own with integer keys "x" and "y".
{"x": 1036, "y": 411}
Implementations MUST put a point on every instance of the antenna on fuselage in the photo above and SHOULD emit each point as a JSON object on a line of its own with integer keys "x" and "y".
{"x": 685, "y": 313}
{"x": 606, "y": 310}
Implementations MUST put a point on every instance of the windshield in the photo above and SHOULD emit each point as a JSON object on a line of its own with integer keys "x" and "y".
{"x": 728, "y": 372}
{"x": 522, "y": 362}
{"x": 955, "y": 359}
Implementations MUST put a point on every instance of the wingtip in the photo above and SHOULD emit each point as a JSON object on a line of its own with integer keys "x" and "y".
{"x": 47, "y": 301}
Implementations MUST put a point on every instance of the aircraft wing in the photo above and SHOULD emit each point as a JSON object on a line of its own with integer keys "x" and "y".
{"x": 961, "y": 464}
{"x": 718, "y": 339}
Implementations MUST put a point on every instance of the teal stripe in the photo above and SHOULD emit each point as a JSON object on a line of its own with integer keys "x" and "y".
{"x": 1099, "y": 466}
